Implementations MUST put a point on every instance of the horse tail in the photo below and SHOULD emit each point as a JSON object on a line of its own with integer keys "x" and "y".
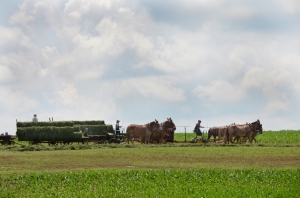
{"x": 209, "y": 134}
{"x": 226, "y": 135}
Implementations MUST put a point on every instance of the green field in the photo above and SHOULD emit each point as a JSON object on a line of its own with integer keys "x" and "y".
{"x": 269, "y": 168}
{"x": 284, "y": 136}
{"x": 156, "y": 183}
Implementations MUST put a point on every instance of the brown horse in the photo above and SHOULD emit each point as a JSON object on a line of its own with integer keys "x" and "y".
{"x": 256, "y": 128}
{"x": 216, "y": 131}
{"x": 243, "y": 130}
{"x": 153, "y": 129}
{"x": 141, "y": 130}
{"x": 165, "y": 128}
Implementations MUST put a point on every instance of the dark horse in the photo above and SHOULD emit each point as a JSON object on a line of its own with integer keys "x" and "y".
{"x": 166, "y": 127}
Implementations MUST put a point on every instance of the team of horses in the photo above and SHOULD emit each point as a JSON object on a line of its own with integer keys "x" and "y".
{"x": 154, "y": 130}
{"x": 234, "y": 132}
{"x": 229, "y": 133}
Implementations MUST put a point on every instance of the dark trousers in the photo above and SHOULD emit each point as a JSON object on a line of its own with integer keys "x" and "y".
{"x": 118, "y": 133}
{"x": 199, "y": 133}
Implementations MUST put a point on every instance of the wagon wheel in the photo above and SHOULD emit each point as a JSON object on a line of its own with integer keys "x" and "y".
{"x": 34, "y": 142}
{"x": 52, "y": 143}
{"x": 66, "y": 142}
{"x": 113, "y": 140}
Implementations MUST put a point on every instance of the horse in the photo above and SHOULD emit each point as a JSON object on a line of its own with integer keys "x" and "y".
{"x": 142, "y": 131}
{"x": 165, "y": 128}
{"x": 216, "y": 131}
{"x": 152, "y": 129}
{"x": 242, "y": 130}
{"x": 256, "y": 128}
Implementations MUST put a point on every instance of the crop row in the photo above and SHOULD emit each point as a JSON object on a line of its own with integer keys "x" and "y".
{"x": 155, "y": 183}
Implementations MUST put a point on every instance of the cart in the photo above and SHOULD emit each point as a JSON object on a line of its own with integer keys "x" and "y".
{"x": 7, "y": 139}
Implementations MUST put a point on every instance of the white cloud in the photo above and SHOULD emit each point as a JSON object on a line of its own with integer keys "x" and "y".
{"x": 220, "y": 90}
{"x": 16, "y": 101}
{"x": 5, "y": 74}
{"x": 69, "y": 95}
{"x": 155, "y": 87}
{"x": 24, "y": 17}
{"x": 289, "y": 6}
{"x": 104, "y": 52}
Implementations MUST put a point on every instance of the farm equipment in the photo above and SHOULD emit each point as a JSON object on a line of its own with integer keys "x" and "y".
{"x": 200, "y": 139}
{"x": 66, "y": 132}
{"x": 7, "y": 139}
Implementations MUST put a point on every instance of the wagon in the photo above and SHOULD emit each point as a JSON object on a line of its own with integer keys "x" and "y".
{"x": 7, "y": 139}
{"x": 66, "y": 132}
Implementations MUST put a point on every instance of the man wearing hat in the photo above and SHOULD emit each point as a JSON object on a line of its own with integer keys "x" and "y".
{"x": 34, "y": 119}
{"x": 197, "y": 129}
{"x": 118, "y": 128}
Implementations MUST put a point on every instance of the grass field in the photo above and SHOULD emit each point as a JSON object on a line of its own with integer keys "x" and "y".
{"x": 269, "y": 168}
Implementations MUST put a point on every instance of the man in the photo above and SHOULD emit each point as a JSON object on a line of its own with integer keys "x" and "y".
{"x": 197, "y": 129}
{"x": 118, "y": 128}
{"x": 34, "y": 119}
{"x": 85, "y": 133}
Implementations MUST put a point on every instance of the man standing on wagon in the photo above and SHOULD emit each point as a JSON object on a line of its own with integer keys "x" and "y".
{"x": 197, "y": 129}
{"x": 118, "y": 128}
{"x": 34, "y": 119}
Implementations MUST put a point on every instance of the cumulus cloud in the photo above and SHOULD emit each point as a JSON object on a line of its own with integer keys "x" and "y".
{"x": 59, "y": 57}
{"x": 153, "y": 87}
{"x": 220, "y": 90}
{"x": 5, "y": 74}
{"x": 23, "y": 17}
{"x": 12, "y": 101}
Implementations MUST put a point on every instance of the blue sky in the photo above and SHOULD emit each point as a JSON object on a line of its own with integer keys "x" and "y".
{"x": 136, "y": 61}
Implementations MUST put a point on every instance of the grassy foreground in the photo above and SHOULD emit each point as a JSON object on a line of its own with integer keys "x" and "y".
{"x": 270, "y": 168}
{"x": 155, "y": 183}
{"x": 152, "y": 171}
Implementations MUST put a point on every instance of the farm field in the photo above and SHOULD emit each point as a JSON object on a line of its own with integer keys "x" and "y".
{"x": 265, "y": 169}
{"x": 267, "y": 137}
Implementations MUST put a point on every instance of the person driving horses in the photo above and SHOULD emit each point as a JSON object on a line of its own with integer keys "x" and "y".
{"x": 118, "y": 128}
{"x": 197, "y": 129}
{"x": 86, "y": 133}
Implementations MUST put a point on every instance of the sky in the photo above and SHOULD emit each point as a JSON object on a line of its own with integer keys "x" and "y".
{"x": 218, "y": 61}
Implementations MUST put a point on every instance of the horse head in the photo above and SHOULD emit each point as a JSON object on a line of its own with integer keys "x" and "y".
{"x": 154, "y": 125}
{"x": 168, "y": 125}
{"x": 256, "y": 126}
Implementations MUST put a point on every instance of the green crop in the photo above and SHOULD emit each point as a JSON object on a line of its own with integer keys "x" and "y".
{"x": 283, "y": 136}
{"x": 155, "y": 183}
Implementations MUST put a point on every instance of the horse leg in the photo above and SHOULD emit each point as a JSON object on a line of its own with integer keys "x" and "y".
{"x": 147, "y": 138}
{"x": 250, "y": 139}
{"x": 215, "y": 137}
{"x": 230, "y": 138}
{"x": 236, "y": 139}
{"x": 226, "y": 134}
